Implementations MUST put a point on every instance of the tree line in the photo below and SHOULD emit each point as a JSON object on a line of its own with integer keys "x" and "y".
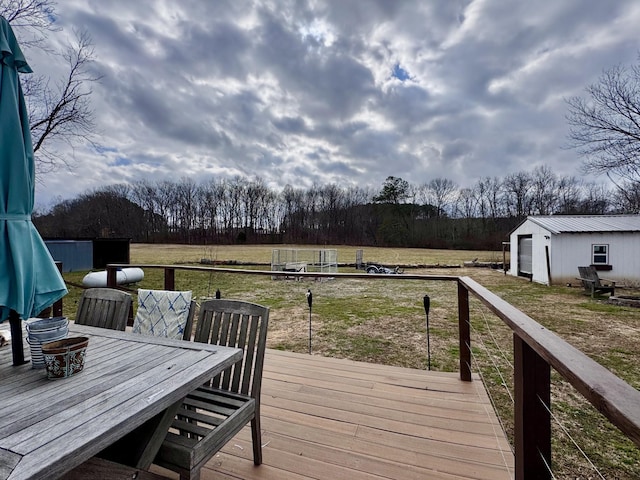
{"x": 435, "y": 214}
{"x": 604, "y": 130}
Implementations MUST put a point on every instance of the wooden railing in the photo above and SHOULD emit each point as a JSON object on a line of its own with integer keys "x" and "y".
{"x": 536, "y": 350}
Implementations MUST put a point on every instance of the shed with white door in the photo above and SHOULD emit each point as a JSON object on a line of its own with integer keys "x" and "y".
{"x": 549, "y": 249}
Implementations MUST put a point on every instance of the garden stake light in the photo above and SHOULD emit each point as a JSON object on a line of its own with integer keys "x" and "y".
{"x": 310, "y": 302}
{"x": 427, "y": 303}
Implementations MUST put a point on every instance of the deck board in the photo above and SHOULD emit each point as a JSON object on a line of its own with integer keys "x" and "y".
{"x": 333, "y": 419}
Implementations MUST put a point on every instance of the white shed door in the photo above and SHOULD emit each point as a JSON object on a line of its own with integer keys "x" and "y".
{"x": 525, "y": 255}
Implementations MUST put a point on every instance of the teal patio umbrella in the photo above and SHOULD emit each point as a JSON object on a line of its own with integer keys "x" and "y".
{"x": 29, "y": 278}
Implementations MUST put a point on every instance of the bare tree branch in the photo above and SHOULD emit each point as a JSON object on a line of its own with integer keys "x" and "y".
{"x": 33, "y": 18}
{"x": 605, "y": 127}
{"x": 62, "y": 112}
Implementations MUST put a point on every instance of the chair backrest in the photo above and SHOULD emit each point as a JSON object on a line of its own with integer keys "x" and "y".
{"x": 104, "y": 307}
{"x": 165, "y": 313}
{"x": 188, "y": 328}
{"x": 590, "y": 273}
{"x": 240, "y": 324}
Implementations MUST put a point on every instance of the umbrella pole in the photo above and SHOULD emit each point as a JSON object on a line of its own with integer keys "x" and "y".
{"x": 16, "y": 338}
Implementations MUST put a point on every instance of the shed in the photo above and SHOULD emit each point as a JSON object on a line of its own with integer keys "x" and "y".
{"x": 79, "y": 255}
{"x": 75, "y": 255}
{"x": 549, "y": 249}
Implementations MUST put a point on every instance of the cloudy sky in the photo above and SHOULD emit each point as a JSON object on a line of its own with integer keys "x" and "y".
{"x": 335, "y": 91}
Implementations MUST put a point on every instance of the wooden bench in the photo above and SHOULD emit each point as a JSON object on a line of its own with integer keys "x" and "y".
{"x": 592, "y": 283}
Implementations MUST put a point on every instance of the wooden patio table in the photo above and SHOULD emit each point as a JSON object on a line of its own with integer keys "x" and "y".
{"x": 119, "y": 406}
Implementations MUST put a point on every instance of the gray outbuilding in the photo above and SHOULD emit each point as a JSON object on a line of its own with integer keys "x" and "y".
{"x": 549, "y": 249}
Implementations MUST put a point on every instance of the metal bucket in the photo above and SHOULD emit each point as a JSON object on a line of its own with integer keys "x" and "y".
{"x": 64, "y": 358}
{"x": 43, "y": 330}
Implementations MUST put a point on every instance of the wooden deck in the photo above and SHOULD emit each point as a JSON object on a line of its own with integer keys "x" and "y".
{"x": 331, "y": 419}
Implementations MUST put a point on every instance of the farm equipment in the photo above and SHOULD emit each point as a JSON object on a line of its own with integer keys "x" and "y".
{"x": 373, "y": 268}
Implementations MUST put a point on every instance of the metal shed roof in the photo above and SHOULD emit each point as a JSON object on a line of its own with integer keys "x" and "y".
{"x": 557, "y": 224}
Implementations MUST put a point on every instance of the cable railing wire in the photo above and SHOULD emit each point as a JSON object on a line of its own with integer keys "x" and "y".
{"x": 570, "y": 437}
{"x": 478, "y": 335}
{"x": 546, "y": 464}
{"x": 491, "y": 399}
{"x": 502, "y": 351}
{"x": 477, "y": 362}
{"x": 479, "y": 340}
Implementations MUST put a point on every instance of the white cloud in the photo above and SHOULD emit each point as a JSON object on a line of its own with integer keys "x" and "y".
{"x": 303, "y": 91}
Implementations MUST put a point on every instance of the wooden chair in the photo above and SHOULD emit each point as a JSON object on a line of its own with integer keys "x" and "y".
{"x": 188, "y": 328}
{"x": 214, "y": 413}
{"x": 165, "y": 313}
{"x": 104, "y": 307}
{"x": 592, "y": 283}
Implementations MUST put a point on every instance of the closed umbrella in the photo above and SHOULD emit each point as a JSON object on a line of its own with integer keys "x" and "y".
{"x": 29, "y": 278}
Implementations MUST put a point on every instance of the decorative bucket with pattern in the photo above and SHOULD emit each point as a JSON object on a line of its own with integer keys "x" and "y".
{"x": 65, "y": 357}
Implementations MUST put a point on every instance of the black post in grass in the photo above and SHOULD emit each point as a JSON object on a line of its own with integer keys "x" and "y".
{"x": 427, "y": 304}
{"x": 310, "y": 302}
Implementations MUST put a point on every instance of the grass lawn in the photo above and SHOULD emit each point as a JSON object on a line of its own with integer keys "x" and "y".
{"x": 384, "y": 321}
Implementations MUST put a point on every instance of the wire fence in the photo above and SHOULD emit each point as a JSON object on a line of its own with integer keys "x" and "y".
{"x": 576, "y": 452}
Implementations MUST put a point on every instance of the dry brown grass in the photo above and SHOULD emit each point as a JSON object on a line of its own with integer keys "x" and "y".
{"x": 151, "y": 253}
{"x": 383, "y": 321}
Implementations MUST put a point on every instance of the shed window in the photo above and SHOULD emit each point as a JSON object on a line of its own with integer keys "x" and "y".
{"x": 600, "y": 254}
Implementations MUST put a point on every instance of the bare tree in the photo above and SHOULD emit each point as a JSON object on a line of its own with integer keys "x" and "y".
{"x": 256, "y": 193}
{"x": 292, "y": 212}
{"x": 59, "y": 110}
{"x": 62, "y": 113}
{"x": 517, "y": 194}
{"x": 331, "y": 210}
{"x": 544, "y": 190}
{"x": 568, "y": 195}
{"x": 185, "y": 206}
{"x": 466, "y": 204}
{"x": 165, "y": 198}
{"x": 595, "y": 199}
{"x": 441, "y": 192}
{"x": 32, "y": 17}
{"x": 627, "y": 197}
{"x": 269, "y": 218}
{"x": 235, "y": 194}
{"x": 359, "y": 220}
{"x": 216, "y": 195}
{"x": 605, "y": 127}
{"x": 488, "y": 191}
{"x": 145, "y": 195}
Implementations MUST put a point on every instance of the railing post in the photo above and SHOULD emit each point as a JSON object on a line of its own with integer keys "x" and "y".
{"x": 169, "y": 278}
{"x": 464, "y": 332}
{"x": 112, "y": 276}
{"x": 57, "y": 306}
{"x": 532, "y": 423}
